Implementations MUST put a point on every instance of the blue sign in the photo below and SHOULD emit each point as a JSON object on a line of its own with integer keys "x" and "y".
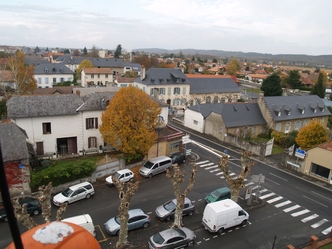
{"x": 301, "y": 151}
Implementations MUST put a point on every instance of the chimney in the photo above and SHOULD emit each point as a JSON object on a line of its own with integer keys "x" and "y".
{"x": 142, "y": 72}
{"x": 78, "y": 93}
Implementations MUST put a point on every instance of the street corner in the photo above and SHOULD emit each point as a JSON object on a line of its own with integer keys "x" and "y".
{"x": 255, "y": 203}
{"x": 193, "y": 157}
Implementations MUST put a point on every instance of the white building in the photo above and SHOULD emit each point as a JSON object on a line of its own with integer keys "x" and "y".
{"x": 49, "y": 74}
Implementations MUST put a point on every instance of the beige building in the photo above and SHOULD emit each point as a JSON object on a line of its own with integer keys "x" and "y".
{"x": 318, "y": 162}
{"x": 97, "y": 77}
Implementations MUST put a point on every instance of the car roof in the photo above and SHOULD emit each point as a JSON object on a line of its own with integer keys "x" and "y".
{"x": 160, "y": 158}
{"x": 135, "y": 212}
{"x": 186, "y": 200}
{"x": 79, "y": 185}
{"x": 122, "y": 171}
{"x": 169, "y": 233}
{"x": 223, "y": 189}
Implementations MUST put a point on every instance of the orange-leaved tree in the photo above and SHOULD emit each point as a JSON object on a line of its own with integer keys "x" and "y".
{"x": 311, "y": 135}
{"x": 22, "y": 73}
{"x": 129, "y": 122}
{"x": 83, "y": 64}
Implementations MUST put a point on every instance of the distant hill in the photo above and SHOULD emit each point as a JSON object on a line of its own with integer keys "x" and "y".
{"x": 294, "y": 59}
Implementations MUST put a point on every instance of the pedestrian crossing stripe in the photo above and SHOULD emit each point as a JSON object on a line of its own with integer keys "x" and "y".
{"x": 211, "y": 167}
{"x": 309, "y": 218}
{"x": 291, "y": 208}
{"x": 202, "y": 162}
{"x": 282, "y": 204}
{"x": 327, "y": 231}
{"x": 263, "y": 190}
{"x": 220, "y": 173}
{"x": 266, "y": 196}
{"x": 319, "y": 223}
{"x": 205, "y": 165}
{"x": 248, "y": 184}
{"x": 300, "y": 213}
{"x": 274, "y": 199}
{"x": 211, "y": 171}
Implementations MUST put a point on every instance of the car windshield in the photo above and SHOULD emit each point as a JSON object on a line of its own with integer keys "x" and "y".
{"x": 158, "y": 239}
{"x": 215, "y": 194}
{"x": 148, "y": 165}
{"x": 67, "y": 192}
{"x": 117, "y": 219}
{"x": 169, "y": 206}
{"x": 180, "y": 232}
{"x": 117, "y": 175}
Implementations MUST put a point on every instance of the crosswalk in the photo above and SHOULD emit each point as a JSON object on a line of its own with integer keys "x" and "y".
{"x": 287, "y": 206}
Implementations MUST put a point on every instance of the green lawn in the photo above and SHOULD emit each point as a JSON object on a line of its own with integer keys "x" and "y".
{"x": 329, "y": 246}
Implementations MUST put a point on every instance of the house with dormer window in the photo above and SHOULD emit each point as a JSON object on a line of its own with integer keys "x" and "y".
{"x": 49, "y": 74}
{"x": 288, "y": 113}
{"x": 97, "y": 77}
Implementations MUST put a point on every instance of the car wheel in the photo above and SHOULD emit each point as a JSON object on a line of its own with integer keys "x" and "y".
{"x": 150, "y": 175}
{"x": 243, "y": 222}
{"x": 221, "y": 230}
{"x": 190, "y": 213}
{"x": 66, "y": 203}
{"x": 88, "y": 196}
{"x": 168, "y": 218}
{"x": 191, "y": 243}
{"x": 146, "y": 225}
{"x": 131, "y": 179}
{"x": 35, "y": 212}
{"x": 5, "y": 219}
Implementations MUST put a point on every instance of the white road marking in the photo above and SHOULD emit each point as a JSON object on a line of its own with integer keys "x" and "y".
{"x": 309, "y": 218}
{"x": 274, "y": 199}
{"x": 272, "y": 181}
{"x": 263, "y": 190}
{"x": 266, "y": 196}
{"x": 220, "y": 173}
{"x": 327, "y": 231}
{"x": 211, "y": 167}
{"x": 231, "y": 174}
{"x": 319, "y": 223}
{"x": 291, "y": 208}
{"x": 300, "y": 213}
{"x": 211, "y": 171}
{"x": 249, "y": 183}
{"x": 282, "y": 204}
{"x": 279, "y": 177}
{"x": 321, "y": 195}
{"x": 202, "y": 162}
{"x": 205, "y": 165}
{"x": 315, "y": 201}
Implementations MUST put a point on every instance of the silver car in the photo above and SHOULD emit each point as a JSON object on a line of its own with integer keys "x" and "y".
{"x": 172, "y": 238}
{"x": 137, "y": 219}
{"x": 167, "y": 210}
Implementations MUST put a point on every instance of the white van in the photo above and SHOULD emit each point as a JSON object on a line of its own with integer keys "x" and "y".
{"x": 84, "y": 221}
{"x": 74, "y": 193}
{"x": 155, "y": 166}
{"x": 223, "y": 214}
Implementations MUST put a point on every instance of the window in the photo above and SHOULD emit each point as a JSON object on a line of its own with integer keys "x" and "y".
{"x": 195, "y": 122}
{"x": 91, "y": 123}
{"x": 54, "y": 80}
{"x": 162, "y": 91}
{"x": 92, "y": 76}
{"x": 69, "y": 79}
{"x": 176, "y": 102}
{"x": 98, "y": 76}
{"x": 198, "y": 101}
{"x": 208, "y": 100}
{"x": 92, "y": 142}
{"x": 278, "y": 127}
{"x": 184, "y": 90}
{"x": 222, "y": 100}
{"x": 174, "y": 146}
{"x": 151, "y": 91}
{"x": 320, "y": 171}
{"x": 46, "y": 128}
{"x": 176, "y": 90}
{"x": 305, "y": 122}
{"x": 143, "y": 89}
{"x": 215, "y": 99}
{"x": 169, "y": 91}
{"x": 62, "y": 79}
{"x": 46, "y": 80}
{"x": 106, "y": 76}
{"x": 297, "y": 125}
{"x": 287, "y": 128}
{"x": 39, "y": 81}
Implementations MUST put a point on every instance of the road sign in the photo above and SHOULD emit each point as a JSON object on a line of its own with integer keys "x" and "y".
{"x": 185, "y": 139}
{"x": 300, "y": 153}
{"x": 258, "y": 178}
{"x": 188, "y": 152}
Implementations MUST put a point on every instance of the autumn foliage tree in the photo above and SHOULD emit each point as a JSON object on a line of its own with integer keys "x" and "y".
{"x": 22, "y": 73}
{"x": 129, "y": 122}
{"x": 84, "y": 64}
{"x": 177, "y": 177}
{"x": 237, "y": 183}
{"x": 232, "y": 67}
{"x": 312, "y": 135}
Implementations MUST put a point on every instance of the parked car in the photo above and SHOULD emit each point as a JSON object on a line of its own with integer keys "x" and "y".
{"x": 124, "y": 175}
{"x": 32, "y": 205}
{"x": 167, "y": 210}
{"x": 218, "y": 195}
{"x": 172, "y": 238}
{"x": 74, "y": 193}
{"x": 155, "y": 166}
{"x": 178, "y": 157}
{"x": 137, "y": 219}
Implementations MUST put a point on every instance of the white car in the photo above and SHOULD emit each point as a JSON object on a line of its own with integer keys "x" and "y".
{"x": 74, "y": 193}
{"x": 124, "y": 175}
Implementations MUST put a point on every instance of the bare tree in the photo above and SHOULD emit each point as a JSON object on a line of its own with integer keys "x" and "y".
{"x": 237, "y": 183}
{"x": 126, "y": 191}
{"x": 45, "y": 201}
{"x": 177, "y": 178}
{"x": 22, "y": 215}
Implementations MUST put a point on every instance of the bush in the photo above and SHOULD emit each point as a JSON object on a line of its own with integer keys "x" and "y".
{"x": 62, "y": 173}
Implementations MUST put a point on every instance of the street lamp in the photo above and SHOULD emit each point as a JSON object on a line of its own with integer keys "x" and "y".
{"x": 160, "y": 121}
{"x": 21, "y": 166}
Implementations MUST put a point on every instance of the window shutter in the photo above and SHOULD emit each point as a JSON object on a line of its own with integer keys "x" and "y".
{"x": 44, "y": 128}
{"x": 96, "y": 123}
{"x": 87, "y": 123}
{"x": 89, "y": 142}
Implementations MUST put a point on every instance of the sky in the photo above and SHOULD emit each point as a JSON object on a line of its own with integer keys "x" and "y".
{"x": 263, "y": 26}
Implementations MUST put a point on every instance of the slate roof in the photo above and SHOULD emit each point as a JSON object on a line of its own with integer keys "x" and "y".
{"x": 233, "y": 114}
{"x": 13, "y": 142}
{"x": 43, "y": 105}
{"x": 294, "y": 106}
{"x": 37, "y": 62}
{"x": 97, "y": 62}
{"x": 52, "y": 68}
{"x": 96, "y": 101}
{"x": 163, "y": 76}
{"x": 213, "y": 85}
{"x": 53, "y": 90}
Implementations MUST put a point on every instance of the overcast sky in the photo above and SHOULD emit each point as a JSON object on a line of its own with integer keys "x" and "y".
{"x": 264, "y": 26}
